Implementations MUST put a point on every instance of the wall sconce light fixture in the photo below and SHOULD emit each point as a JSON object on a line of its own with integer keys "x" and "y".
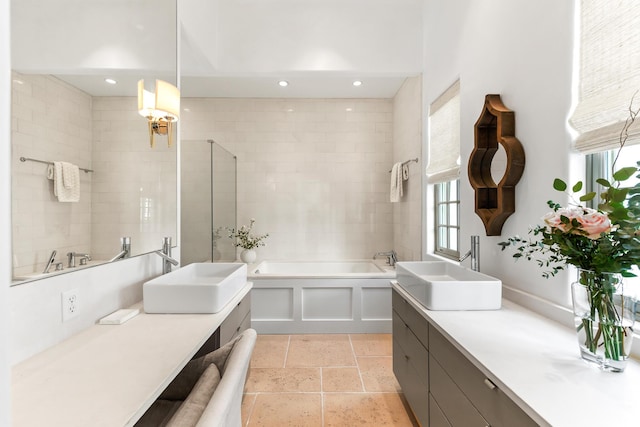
{"x": 161, "y": 108}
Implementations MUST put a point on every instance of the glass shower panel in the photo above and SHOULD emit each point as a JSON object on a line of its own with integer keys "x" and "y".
{"x": 223, "y": 196}
{"x": 208, "y": 202}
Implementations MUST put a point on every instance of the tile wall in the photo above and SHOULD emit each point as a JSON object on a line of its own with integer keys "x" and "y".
{"x": 51, "y": 121}
{"x": 312, "y": 172}
{"x": 134, "y": 186}
{"x": 407, "y": 144}
{"x": 132, "y": 191}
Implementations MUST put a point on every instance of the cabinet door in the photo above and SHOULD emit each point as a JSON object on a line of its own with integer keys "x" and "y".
{"x": 233, "y": 324}
{"x": 415, "y": 391}
{"x": 493, "y": 404}
{"x": 411, "y": 318}
{"x": 412, "y": 348}
{"x": 455, "y": 406}
{"x": 436, "y": 417}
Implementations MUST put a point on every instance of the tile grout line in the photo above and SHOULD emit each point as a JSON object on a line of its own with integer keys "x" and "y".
{"x": 253, "y": 406}
{"x": 286, "y": 353}
{"x": 321, "y": 398}
{"x": 357, "y": 364}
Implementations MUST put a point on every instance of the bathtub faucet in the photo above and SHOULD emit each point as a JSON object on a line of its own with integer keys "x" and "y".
{"x": 392, "y": 257}
{"x": 474, "y": 253}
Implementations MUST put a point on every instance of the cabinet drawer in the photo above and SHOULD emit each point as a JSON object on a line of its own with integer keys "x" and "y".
{"x": 436, "y": 417}
{"x": 413, "y": 350}
{"x": 232, "y": 324}
{"x": 492, "y": 403}
{"x": 412, "y": 318}
{"x": 458, "y": 409}
{"x": 415, "y": 391}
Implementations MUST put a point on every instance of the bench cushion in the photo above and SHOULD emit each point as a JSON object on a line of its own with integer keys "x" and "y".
{"x": 192, "y": 408}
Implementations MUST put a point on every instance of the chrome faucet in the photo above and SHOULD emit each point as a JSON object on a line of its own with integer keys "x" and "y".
{"x": 52, "y": 258}
{"x": 71, "y": 257}
{"x": 474, "y": 253}
{"x": 125, "y": 249}
{"x": 165, "y": 254}
{"x": 392, "y": 257}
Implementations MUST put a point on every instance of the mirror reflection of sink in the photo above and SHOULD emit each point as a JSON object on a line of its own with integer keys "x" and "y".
{"x": 442, "y": 285}
{"x": 196, "y": 288}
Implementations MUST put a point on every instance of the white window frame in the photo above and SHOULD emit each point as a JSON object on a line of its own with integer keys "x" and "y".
{"x": 443, "y": 227}
{"x": 599, "y": 165}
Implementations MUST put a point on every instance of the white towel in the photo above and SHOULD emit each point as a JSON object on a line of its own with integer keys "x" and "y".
{"x": 66, "y": 182}
{"x": 396, "y": 183}
{"x": 405, "y": 172}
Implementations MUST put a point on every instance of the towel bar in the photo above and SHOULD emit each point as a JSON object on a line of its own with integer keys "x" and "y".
{"x": 407, "y": 162}
{"x": 24, "y": 159}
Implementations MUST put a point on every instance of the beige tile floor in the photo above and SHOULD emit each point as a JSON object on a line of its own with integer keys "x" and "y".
{"x": 325, "y": 381}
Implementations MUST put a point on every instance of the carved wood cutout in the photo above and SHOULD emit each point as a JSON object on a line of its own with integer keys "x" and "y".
{"x": 494, "y": 203}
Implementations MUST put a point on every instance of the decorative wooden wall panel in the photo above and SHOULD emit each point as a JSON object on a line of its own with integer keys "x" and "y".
{"x": 494, "y": 203}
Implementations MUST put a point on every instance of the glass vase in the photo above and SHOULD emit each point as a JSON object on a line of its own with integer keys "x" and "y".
{"x": 604, "y": 319}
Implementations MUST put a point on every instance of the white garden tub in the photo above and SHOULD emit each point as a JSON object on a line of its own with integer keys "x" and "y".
{"x": 293, "y": 297}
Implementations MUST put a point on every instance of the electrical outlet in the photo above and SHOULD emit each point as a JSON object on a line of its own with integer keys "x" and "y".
{"x": 70, "y": 305}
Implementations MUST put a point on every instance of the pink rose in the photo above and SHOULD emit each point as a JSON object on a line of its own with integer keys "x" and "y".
{"x": 592, "y": 223}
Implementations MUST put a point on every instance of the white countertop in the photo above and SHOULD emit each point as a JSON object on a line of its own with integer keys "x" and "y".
{"x": 536, "y": 362}
{"x": 109, "y": 375}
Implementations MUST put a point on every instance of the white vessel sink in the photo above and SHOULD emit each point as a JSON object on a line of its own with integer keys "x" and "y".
{"x": 441, "y": 285}
{"x": 196, "y": 288}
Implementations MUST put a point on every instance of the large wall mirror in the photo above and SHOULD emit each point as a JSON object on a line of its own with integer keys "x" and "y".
{"x": 75, "y": 65}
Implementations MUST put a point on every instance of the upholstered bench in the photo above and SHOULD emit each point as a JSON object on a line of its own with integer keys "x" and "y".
{"x": 208, "y": 391}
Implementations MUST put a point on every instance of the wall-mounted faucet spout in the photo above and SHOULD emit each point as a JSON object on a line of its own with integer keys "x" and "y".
{"x": 165, "y": 254}
{"x": 474, "y": 253}
{"x": 125, "y": 249}
{"x": 121, "y": 255}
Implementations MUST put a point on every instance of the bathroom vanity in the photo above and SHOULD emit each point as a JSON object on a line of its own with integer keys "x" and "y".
{"x": 109, "y": 375}
{"x": 507, "y": 367}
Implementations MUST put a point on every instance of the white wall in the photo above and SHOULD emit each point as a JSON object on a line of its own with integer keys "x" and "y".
{"x": 407, "y": 144}
{"x": 36, "y": 307}
{"x": 5, "y": 210}
{"x": 521, "y": 50}
{"x": 313, "y": 175}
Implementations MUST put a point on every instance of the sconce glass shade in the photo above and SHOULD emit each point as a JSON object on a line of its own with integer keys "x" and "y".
{"x": 161, "y": 107}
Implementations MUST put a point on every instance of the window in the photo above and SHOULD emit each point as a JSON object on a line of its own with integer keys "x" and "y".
{"x": 444, "y": 168}
{"x": 447, "y": 218}
{"x": 609, "y": 72}
{"x": 599, "y": 165}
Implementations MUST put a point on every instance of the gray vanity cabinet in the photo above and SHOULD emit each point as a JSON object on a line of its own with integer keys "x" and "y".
{"x": 453, "y": 369}
{"x": 237, "y": 321}
{"x": 411, "y": 356}
{"x": 443, "y": 388}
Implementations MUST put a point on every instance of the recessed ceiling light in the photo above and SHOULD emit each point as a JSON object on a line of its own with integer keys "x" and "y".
{"x": 187, "y": 110}
{"x": 348, "y": 109}
{"x": 357, "y": 83}
{"x": 110, "y": 81}
{"x": 18, "y": 81}
{"x": 283, "y": 83}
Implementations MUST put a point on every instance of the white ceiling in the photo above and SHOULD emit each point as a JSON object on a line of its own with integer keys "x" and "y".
{"x": 229, "y": 48}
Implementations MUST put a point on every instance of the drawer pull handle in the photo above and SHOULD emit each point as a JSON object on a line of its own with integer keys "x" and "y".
{"x": 490, "y": 385}
{"x": 406, "y": 357}
{"x": 238, "y": 329}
